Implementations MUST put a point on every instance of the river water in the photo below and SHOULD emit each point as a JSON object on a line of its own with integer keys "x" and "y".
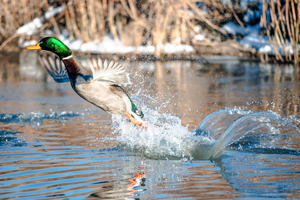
{"x": 217, "y": 129}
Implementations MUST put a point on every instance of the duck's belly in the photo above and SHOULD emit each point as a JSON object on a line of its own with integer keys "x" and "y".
{"x": 103, "y": 97}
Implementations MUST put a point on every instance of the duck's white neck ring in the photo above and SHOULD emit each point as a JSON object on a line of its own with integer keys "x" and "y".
{"x": 66, "y": 58}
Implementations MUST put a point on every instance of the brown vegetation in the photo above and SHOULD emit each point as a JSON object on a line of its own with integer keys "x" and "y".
{"x": 151, "y": 22}
{"x": 135, "y": 23}
{"x": 283, "y": 27}
{"x": 15, "y": 13}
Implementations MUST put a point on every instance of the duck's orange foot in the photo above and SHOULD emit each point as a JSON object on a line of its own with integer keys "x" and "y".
{"x": 134, "y": 120}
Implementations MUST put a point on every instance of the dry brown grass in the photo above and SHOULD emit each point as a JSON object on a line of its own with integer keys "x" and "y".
{"x": 135, "y": 23}
{"x": 132, "y": 22}
{"x": 146, "y": 22}
{"x": 283, "y": 27}
{"x": 15, "y": 13}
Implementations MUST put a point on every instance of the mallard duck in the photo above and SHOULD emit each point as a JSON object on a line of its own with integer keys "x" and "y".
{"x": 100, "y": 82}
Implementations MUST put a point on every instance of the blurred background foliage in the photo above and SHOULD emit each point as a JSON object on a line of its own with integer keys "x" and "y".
{"x": 157, "y": 22}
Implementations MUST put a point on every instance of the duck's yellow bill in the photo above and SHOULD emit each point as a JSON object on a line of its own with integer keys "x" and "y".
{"x": 37, "y": 46}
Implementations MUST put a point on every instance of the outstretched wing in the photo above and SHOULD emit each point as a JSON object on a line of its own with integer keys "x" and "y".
{"x": 108, "y": 72}
{"x": 55, "y": 67}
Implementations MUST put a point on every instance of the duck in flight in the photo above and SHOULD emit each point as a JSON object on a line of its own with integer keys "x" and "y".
{"x": 100, "y": 82}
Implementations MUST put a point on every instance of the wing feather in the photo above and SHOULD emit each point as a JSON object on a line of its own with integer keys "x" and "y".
{"x": 105, "y": 64}
{"x": 108, "y": 72}
{"x": 55, "y": 67}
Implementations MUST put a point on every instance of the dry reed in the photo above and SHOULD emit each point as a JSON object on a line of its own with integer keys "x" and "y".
{"x": 135, "y": 23}
{"x": 283, "y": 27}
{"x": 15, "y": 13}
{"x": 132, "y": 22}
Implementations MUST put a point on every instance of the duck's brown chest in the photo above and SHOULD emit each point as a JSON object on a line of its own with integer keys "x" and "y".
{"x": 72, "y": 68}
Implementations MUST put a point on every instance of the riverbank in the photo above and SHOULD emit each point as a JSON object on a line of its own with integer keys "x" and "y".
{"x": 153, "y": 31}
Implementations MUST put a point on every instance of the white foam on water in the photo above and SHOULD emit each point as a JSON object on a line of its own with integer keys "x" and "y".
{"x": 164, "y": 137}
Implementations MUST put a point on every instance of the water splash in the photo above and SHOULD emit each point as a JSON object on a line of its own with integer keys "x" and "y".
{"x": 165, "y": 135}
{"x": 167, "y": 138}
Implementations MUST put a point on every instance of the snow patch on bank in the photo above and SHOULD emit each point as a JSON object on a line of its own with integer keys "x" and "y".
{"x": 109, "y": 46}
{"x": 252, "y": 39}
{"x": 33, "y": 27}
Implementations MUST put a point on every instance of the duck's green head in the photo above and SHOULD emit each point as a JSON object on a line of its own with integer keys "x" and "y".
{"x": 54, "y": 45}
